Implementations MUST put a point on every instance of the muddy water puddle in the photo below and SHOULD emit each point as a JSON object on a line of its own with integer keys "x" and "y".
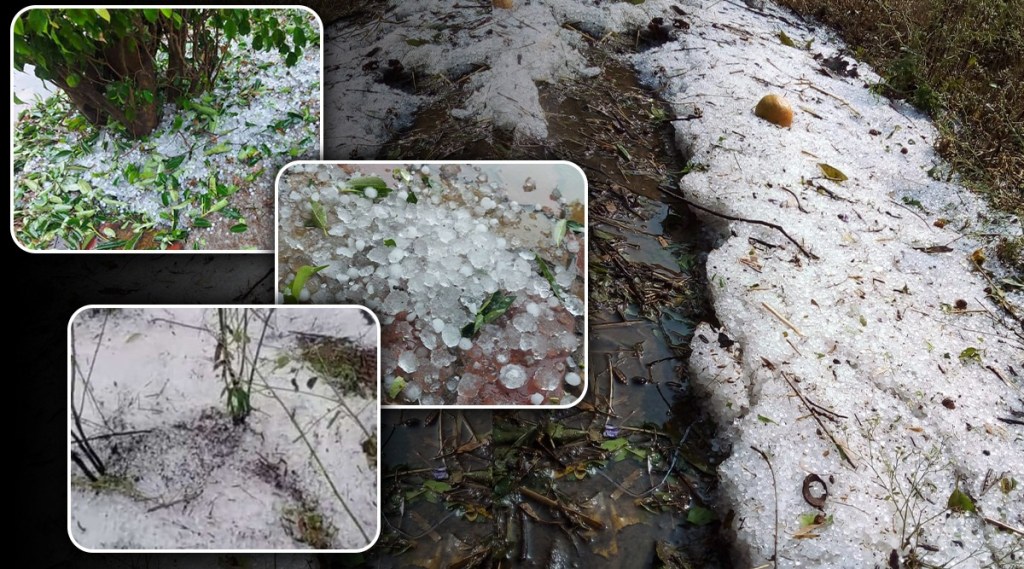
{"x": 626, "y": 478}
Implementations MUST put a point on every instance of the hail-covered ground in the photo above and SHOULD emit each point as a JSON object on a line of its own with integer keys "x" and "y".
{"x": 869, "y": 357}
{"x": 498, "y": 56}
{"x": 480, "y": 295}
{"x": 298, "y": 473}
{"x": 874, "y": 363}
{"x": 203, "y": 177}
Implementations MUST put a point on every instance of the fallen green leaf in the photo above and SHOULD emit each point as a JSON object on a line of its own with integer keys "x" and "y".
{"x": 301, "y": 276}
{"x": 218, "y": 206}
{"x": 368, "y": 182}
{"x": 492, "y": 309}
{"x": 173, "y": 162}
{"x": 402, "y": 175}
{"x": 319, "y": 215}
{"x": 615, "y": 444}
{"x": 396, "y": 387}
{"x": 496, "y": 305}
{"x": 970, "y": 355}
{"x": 204, "y": 110}
{"x": 560, "y": 229}
{"x": 807, "y": 519}
{"x": 437, "y": 486}
{"x": 547, "y": 274}
{"x": 960, "y": 502}
{"x": 218, "y": 149}
{"x": 700, "y": 516}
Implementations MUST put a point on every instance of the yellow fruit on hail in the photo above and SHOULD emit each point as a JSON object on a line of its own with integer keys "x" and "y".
{"x": 774, "y": 109}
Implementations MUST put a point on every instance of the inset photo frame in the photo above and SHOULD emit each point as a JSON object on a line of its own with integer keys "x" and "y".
{"x": 158, "y": 129}
{"x": 478, "y": 271}
{"x": 223, "y": 428}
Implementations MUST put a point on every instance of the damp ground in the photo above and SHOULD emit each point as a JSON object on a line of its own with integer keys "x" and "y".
{"x": 626, "y": 478}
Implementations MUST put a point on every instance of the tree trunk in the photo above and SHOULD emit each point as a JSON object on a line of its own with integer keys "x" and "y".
{"x": 191, "y": 71}
{"x": 129, "y": 60}
{"x": 126, "y": 59}
{"x": 87, "y": 96}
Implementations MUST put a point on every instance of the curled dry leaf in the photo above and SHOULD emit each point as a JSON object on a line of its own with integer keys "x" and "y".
{"x": 832, "y": 173}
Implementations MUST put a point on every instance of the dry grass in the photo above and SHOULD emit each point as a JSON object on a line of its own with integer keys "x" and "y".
{"x": 958, "y": 60}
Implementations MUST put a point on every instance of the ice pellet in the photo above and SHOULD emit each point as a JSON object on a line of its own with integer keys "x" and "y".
{"x": 513, "y": 376}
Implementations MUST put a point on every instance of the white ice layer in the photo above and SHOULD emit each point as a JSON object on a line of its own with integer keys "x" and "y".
{"x": 909, "y": 387}
{"x": 507, "y": 58}
{"x": 871, "y": 309}
{"x": 214, "y": 482}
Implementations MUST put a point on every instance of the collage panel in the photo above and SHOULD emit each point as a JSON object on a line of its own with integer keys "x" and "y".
{"x": 477, "y": 270}
{"x": 158, "y": 129}
{"x": 223, "y": 428}
{"x": 546, "y": 283}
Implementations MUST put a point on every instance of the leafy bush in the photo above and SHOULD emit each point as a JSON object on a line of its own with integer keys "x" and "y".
{"x": 122, "y": 65}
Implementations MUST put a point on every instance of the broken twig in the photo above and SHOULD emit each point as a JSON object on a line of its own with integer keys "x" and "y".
{"x": 817, "y": 419}
{"x": 774, "y": 226}
{"x": 775, "y": 489}
{"x": 568, "y": 511}
{"x": 783, "y": 319}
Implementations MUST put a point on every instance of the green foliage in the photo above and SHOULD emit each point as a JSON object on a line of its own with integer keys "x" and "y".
{"x": 970, "y": 355}
{"x": 238, "y": 402}
{"x": 700, "y": 516}
{"x": 495, "y": 305}
{"x": 319, "y": 218}
{"x": 301, "y": 276}
{"x": 960, "y": 502}
{"x": 396, "y": 387}
{"x": 360, "y": 185}
{"x": 545, "y": 272}
{"x": 106, "y": 60}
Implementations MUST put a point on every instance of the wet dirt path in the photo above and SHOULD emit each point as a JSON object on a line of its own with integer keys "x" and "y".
{"x": 625, "y": 479}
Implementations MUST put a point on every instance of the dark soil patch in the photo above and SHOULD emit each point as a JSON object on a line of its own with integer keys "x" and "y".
{"x": 612, "y": 481}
